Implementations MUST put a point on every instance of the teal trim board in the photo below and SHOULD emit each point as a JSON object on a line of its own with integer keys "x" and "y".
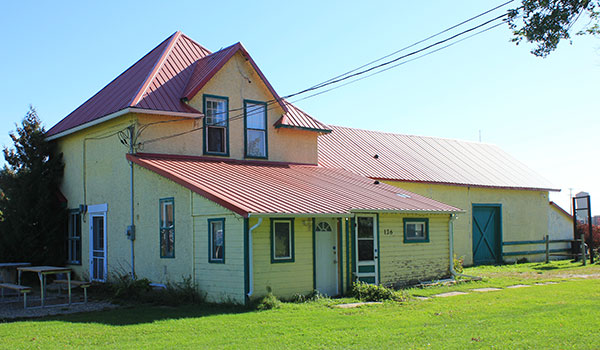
{"x": 314, "y": 255}
{"x": 246, "y": 263}
{"x": 210, "y": 241}
{"x": 204, "y": 138}
{"x": 266, "y": 130}
{"x": 160, "y": 227}
{"x": 291, "y": 242}
{"x": 378, "y": 251}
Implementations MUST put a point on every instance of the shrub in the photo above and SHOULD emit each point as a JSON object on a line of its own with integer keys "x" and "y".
{"x": 312, "y": 296}
{"x": 268, "y": 302}
{"x": 370, "y": 292}
{"x": 458, "y": 263}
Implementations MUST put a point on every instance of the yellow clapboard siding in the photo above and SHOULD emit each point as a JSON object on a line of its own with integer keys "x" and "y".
{"x": 283, "y": 279}
{"x": 403, "y": 263}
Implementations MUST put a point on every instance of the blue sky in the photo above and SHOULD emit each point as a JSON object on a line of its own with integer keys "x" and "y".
{"x": 545, "y": 112}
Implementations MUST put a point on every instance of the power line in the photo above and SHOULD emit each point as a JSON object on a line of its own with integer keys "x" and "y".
{"x": 371, "y": 69}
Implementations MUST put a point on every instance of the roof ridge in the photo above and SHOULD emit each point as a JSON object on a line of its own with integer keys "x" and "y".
{"x": 197, "y": 44}
{"x": 413, "y": 135}
{"x": 158, "y": 64}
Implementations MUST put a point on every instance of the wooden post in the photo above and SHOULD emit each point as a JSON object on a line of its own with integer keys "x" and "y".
{"x": 590, "y": 237}
{"x": 583, "y": 249}
{"x": 547, "y": 249}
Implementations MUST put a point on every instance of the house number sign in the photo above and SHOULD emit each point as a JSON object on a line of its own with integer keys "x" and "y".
{"x": 388, "y": 232}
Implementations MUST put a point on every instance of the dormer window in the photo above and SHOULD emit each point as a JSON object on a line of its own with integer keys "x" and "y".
{"x": 255, "y": 121}
{"x": 216, "y": 125}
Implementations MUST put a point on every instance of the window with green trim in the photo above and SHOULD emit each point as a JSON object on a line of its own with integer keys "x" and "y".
{"x": 282, "y": 240}
{"x": 167, "y": 228}
{"x": 74, "y": 237}
{"x": 216, "y": 240}
{"x": 216, "y": 125}
{"x": 256, "y": 129}
{"x": 416, "y": 230}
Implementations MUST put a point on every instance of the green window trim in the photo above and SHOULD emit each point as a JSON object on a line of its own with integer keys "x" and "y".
{"x": 169, "y": 251}
{"x": 246, "y": 129}
{"x": 211, "y": 258}
{"x": 205, "y": 150}
{"x": 74, "y": 237}
{"x": 290, "y": 257}
{"x": 425, "y": 222}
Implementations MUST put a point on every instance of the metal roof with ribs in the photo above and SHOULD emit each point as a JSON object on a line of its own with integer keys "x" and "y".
{"x": 160, "y": 82}
{"x": 388, "y": 156}
{"x": 297, "y": 118}
{"x": 271, "y": 188}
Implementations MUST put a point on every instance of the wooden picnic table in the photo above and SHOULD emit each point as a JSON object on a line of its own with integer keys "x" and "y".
{"x": 5, "y": 271}
{"x": 42, "y": 272}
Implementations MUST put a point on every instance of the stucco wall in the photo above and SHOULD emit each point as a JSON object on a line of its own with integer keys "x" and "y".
{"x": 406, "y": 263}
{"x": 560, "y": 226}
{"x": 524, "y": 213}
{"x": 96, "y": 172}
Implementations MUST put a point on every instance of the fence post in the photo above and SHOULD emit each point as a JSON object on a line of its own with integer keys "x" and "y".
{"x": 583, "y": 249}
{"x": 547, "y": 249}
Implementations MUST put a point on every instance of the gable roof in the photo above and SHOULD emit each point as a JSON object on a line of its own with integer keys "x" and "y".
{"x": 295, "y": 118}
{"x": 387, "y": 156}
{"x": 271, "y": 188}
{"x": 158, "y": 83}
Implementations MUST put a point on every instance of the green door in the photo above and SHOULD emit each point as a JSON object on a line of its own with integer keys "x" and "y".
{"x": 486, "y": 234}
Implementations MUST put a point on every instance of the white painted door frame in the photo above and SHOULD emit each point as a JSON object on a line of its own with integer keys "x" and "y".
{"x": 330, "y": 253}
{"x": 98, "y": 210}
{"x": 363, "y": 268}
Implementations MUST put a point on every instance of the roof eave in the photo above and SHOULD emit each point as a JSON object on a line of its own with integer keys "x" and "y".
{"x": 525, "y": 188}
{"x": 121, "y": 113}
{"x": 408, "y": 211}
{"x": 324, "y": 131}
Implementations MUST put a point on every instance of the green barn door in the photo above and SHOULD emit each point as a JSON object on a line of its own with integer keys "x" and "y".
{"x": 486, "y": 234}
{"x": 366, "y": 249}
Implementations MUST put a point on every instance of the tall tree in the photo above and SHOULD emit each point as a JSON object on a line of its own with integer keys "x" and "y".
{"x": 32, "y": 217}
{"x": 547, "y": 22}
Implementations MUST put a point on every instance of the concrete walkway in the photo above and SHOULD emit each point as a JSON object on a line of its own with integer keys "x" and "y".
{"x": 486, "y": 290}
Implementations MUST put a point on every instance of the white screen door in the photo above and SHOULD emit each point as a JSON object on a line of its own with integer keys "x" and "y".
{"x": 98, "y": 246}
{"x": 366, "y": 249}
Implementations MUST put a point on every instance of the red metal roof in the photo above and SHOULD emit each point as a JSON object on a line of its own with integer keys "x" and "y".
{"x": 387, "y": 156}
{"x": 298, "y": 119}
{"x": 254, "y": 187}
{"x": 154, "y": 82}
{"x": 177, "y": 68}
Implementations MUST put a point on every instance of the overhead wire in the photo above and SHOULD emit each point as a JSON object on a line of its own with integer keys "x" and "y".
{"x": 347, "y": 76}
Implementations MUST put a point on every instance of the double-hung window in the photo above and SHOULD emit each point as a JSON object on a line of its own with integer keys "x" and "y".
{"x": 216, "y": 125}
{"x": 216, "y": 240}
{"x": 74, "y": 237}
{"x": 255, "y": 121}
{"x": 167, "y": 228}
{"x": 282, "y": 240}
{"x": 416, "y": 230}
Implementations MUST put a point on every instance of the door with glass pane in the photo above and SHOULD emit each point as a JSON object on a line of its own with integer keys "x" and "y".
{"x": 98, "y": 247}
{"x": 326, "y": 257}
{"x": 366, "y": 249}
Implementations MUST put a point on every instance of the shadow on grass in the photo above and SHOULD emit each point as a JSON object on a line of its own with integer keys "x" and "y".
{"x": 140, "y": 314}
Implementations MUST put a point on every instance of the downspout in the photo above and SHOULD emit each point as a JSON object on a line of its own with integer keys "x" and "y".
{"x": 250, "y": 259}
{"x": 131, "y": 229}
{"x": 451, "y": 239}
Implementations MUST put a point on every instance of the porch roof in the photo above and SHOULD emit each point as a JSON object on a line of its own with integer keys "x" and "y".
{"x": 274, "y": 188}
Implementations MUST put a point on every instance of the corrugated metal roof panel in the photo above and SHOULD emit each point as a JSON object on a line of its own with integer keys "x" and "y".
{"x": 298, "y": 119}
{"x": 177, "y": 68}
{"x": 382, "y": 155}
{"x": 277, "y": 188}
{"x": 154, "y": 82}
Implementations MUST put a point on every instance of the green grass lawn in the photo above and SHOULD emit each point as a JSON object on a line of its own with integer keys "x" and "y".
{"x": 557, "y": 316}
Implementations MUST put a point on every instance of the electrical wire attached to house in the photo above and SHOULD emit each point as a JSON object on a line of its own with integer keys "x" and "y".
{"x": 358, "y": 72}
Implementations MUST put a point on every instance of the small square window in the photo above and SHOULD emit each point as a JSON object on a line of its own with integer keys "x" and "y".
{"x": 282, "y": 240}
{"x": 416, "y": 230}
{"x": 216, "y": 240}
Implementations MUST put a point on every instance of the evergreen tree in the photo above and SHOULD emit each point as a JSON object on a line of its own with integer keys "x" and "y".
{"x": 32, "y": 217}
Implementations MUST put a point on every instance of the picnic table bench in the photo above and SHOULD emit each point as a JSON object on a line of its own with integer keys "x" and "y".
{"x": 19, "y": 289}
{"x": 81, "y": 284}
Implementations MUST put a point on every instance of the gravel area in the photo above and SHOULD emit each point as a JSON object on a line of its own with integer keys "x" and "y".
{"x": 12, "y": 308}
